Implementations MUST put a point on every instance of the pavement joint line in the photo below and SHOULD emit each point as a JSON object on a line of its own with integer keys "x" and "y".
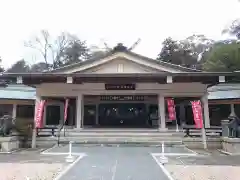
{"x": 175, "y": 154}
{"x": 61, "y": 153}
{"x": 8, "y": 152}
{"x": 190, "y": 150}
{"x": 49, "y": 149}
{"x": 165, "y": 171}
{"x": 62, "y": 173}
{"x": 228, "y": 153}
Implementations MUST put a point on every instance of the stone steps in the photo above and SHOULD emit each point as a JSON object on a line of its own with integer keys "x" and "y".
{"x": 124, "y": 134}
{"x": 96, "y": 130}
{"x": 121, "y": 140}
{"x": 117, "y": 136}
{"x": 122, "y": 137}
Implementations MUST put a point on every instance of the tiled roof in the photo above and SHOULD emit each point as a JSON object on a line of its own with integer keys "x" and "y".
{"x": 17, "y": 92}
{"x": 221, "y": 91}
{"x": 224, "y": 91}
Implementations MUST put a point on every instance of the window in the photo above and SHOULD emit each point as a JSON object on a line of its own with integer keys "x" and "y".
{"x": 218, "y": 112}
{"x": 25, "y": 111}
{"x": 6, "y": 109}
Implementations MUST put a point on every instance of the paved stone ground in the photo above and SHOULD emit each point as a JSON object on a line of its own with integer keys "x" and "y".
{"x": 30, "y": 164}
{"x": 215, "y": 166}
{"x": 78, "y": 148}
{"x": 117, "y": 163}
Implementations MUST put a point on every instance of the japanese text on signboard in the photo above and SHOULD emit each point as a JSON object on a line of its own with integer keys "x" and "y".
{"x": 39, "y": 114}
{"x": 197, "y": 113}
{"x": 171, "y": 109}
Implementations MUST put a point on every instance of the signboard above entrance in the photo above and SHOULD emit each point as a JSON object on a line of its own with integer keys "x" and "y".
{"x": 120, "y": 86}
{"x": 122, "y": 98}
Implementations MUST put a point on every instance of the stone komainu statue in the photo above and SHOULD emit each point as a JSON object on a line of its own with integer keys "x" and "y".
{"x": 7, "y": 124}
{"x": 234, "y": 126}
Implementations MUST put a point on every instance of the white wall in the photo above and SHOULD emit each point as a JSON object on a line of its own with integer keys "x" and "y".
{"x": 121, "y": 66}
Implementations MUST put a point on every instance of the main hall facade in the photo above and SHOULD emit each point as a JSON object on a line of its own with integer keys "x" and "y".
{"x": 121, "y": 89}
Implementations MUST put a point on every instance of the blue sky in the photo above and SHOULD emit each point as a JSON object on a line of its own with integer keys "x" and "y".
{"x": 111, "y": 21}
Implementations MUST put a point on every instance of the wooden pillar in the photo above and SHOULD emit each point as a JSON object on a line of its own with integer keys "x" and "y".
{"x": 161, "y": 113}
{"x": 79, "y": 111}
{"x": 14, "y": 111}
{"x": 232, "y": 110}
{"x": 97, "y": 105}
{"x": 204, "y": 100}
{"x": 34, "y": 133}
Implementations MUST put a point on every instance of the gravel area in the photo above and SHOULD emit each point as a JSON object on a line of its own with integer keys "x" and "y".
{"x": 30, "y": 171}
{"x": 201, "y": 172}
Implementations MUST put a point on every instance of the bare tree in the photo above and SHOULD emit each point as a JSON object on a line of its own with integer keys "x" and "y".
{"x": 41, "y": 44}
{"x": 50, "y": 49}
{"x": 53, "y": 50}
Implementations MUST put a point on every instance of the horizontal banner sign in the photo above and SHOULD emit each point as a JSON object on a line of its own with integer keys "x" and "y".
{"x": 120, "y": 86}
{"x": 121, "y": 98}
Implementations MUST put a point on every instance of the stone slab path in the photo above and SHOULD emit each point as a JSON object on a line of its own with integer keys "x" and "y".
{"x": 116, "y": 163}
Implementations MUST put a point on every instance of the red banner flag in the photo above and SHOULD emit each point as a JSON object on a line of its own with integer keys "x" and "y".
{"x": 171, "y": 109}
{"x": 39, "y": 114}
{"x": 197, "y": 113}
{"x": 66, "y": 109}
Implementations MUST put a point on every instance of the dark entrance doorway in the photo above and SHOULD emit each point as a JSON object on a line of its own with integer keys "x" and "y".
{"x": 53, "y": 115}
{"x": 54, "y": 108}
{"x": 127, "y": 115}
{"x": 89, "y": 115}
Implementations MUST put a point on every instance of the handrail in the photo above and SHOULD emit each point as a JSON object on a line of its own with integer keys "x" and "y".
{"x": 59, "y": 131}
{"x": 188, "y": 131}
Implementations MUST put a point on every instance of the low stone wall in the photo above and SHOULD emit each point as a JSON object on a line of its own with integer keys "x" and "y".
{"x": 231, "y": 145}
{"x": 9, "y": 144}
{"x": 197, "y": 143}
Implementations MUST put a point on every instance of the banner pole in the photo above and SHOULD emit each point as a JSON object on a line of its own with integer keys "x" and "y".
{"x": 204, "y": 136}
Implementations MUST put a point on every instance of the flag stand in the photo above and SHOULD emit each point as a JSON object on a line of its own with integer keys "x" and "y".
{"x": 204, "y": 138}
{"x": 163, "y": 158}
{"x": 177, "y": 129}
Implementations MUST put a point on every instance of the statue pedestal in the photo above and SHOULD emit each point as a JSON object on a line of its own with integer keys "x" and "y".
{"x": 9, "y": 144}
{"x": 225, "y": 129}
{"x": 231, "y": 145}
